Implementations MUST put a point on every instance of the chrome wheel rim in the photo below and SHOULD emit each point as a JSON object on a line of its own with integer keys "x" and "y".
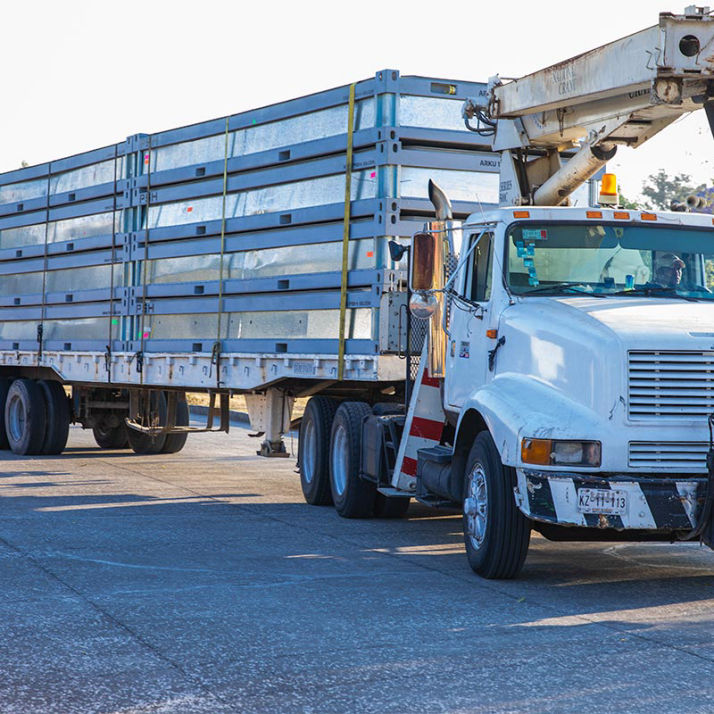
{"x": 309, "y": 455}
{"x": 17, "y": 418}
{"x": 476, "y": 507}
{"x": 339, "y": 459}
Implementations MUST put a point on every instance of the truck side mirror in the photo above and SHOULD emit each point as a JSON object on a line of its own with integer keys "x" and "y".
{"x": 423, "y": 260}
{"x": 422, "y": 303}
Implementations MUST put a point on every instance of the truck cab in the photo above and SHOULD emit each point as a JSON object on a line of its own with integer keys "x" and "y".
{"x": 581, "y": 341}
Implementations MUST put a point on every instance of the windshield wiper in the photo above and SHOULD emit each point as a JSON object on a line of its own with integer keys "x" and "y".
{"x": 655, "y": 290}
{"x": 562, "y": 287}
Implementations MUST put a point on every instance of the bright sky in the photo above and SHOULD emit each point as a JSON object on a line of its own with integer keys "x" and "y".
{"x": 79, "y": 74}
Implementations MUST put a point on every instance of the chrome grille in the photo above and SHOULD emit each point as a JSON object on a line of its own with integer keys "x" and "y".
{"x": 670, "y": 384}
{"x": 677, "y": 456}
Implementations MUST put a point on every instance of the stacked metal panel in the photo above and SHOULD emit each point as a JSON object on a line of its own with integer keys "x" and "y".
{"x": 227, "y": 235}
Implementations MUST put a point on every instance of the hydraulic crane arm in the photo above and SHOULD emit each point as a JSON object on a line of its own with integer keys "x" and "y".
{"x": 624, "y": 92}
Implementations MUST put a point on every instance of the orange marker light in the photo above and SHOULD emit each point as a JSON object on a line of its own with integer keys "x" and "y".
{"x": 648, "y": 216}
{"x": 593, "y": 214}
{"x": 536, "y": 451}
{"x": 521, "y": 214}
{"x": 493, "y": 334}
{"x": 622, "y": 215}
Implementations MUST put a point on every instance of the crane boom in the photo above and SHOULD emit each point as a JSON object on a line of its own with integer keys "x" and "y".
{"x": 624, "y": 92}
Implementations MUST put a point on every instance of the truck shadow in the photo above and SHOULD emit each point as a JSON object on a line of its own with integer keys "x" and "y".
{"x": 583, "y": 580}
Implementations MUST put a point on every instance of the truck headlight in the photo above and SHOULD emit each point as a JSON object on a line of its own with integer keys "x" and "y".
{"x": 556, "y": 452}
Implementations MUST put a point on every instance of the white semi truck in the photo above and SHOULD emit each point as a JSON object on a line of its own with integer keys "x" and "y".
{"x": 567, "y": 382}
{"x": 567, "y": 385}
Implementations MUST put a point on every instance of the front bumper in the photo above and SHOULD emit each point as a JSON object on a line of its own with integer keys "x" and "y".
{"x": 654, "y": 503}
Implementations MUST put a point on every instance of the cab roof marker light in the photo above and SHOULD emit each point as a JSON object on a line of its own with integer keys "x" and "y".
{"x": 593, "y": 214}
{"x": 622, "y": 215}
{"x": 648, "y": 216}
{"x": 521, "y": 214}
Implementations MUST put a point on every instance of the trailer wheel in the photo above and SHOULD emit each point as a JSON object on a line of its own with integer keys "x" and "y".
{"x": 314, "y": 450}
{"x": 4, "y": 389}
{"x": 496, "y": 533}
{"x": 142, "y": 443}
{"x": 390, "y": 506}
{"x": 58, "y": 417}
{"x": 111, "y": 437}
{"x": 352, "y": 496}
{"x": 176, "y": 442}
{"x": 25, "y": 417}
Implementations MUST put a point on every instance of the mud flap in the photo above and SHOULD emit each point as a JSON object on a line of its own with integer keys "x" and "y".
{"x": 706, "y": 522}
{"x": 707, "y": 518}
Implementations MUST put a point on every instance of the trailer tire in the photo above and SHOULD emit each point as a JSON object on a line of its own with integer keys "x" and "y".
{"x": 58, "y": 417}
{"x": 353, "y": 497}
{"x": 390, "y": 506}
{"x": 176, "y": 442}
{"x": 25, "y": 417}
{"x": 142, "y": 443}
{"x": 111, "y": 437}
{"x": 4, "y": 389}
{"x": 314, "y": 450}
{"x": 496, "y": 533}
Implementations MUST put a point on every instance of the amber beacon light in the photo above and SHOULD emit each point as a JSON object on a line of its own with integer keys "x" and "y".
{"x": 608, "y": 190}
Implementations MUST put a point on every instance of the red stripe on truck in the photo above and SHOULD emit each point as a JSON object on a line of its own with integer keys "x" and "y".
{"x": 428, "y": 381}
{"x": 426, "y": 428}
{"x": 409, "y": 466}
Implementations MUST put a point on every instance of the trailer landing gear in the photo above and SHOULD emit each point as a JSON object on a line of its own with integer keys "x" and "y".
{"x": 270, "y": 416}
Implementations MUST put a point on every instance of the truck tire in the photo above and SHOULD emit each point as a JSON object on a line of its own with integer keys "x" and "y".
{"x": 58, "y": 417}
{"x": 4, "y": 389}
{"x": 25, "y": 417}
{"x": 496, "y": 533}
{"x": 314, "y": 450}
{"x": 176, "y": 442}
{"x": 353, "y": 497}
{"x": 141, "y": 443}
{"x": 111, "y": 437}
{"x": 390, "y": 506}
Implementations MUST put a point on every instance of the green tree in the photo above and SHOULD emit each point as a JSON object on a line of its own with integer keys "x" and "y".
{"x": 626, "y": 202}
{"x": 661, "y": 190}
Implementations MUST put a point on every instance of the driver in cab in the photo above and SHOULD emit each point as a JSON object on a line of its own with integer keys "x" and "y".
{"x": 668, "y": 270}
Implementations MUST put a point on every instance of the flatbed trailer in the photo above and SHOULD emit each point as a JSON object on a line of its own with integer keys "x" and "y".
{"x": 243, "y": 254}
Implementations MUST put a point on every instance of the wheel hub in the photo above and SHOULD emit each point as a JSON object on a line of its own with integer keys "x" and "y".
{"x": 339, "y": 460}
{"x": 476, "y": 507}
{"x": 16, "y": 418}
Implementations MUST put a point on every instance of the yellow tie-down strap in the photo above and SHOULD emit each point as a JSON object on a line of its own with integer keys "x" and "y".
{"x": 346, "y": 233}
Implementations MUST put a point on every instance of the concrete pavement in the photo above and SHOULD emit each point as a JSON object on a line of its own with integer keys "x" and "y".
{"x": 200, "y": 582}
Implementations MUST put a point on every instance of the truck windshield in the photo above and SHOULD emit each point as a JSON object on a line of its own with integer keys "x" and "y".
{"x": 607, "y": 259}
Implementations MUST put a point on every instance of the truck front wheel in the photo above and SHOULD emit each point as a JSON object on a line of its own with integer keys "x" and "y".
{"x": 496, "y": 533}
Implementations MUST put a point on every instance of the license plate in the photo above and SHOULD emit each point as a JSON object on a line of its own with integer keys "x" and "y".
{"x": 598, "y": 500}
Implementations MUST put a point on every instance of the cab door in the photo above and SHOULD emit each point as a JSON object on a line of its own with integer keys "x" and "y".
{"x": 468, "y": 345}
